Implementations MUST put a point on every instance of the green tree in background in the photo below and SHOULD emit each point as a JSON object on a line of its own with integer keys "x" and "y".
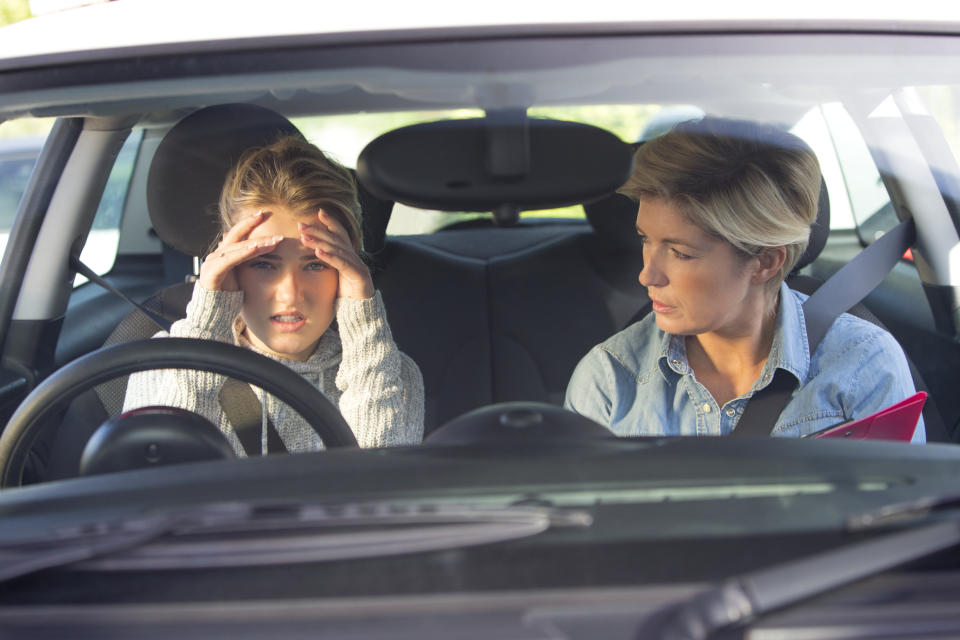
{"x": 13, "y": 10}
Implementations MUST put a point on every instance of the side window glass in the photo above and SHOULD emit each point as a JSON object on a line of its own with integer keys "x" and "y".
{"x": 20, "y": 144}
{"x": 100, "y": 250}
{"x": 858, "y": 197}
{"x": 943, "y": 104}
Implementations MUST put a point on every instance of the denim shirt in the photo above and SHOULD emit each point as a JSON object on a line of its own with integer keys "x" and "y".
{"x": 639, "y": 382}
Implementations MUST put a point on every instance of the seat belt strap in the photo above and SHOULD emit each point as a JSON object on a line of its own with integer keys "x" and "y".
{"x": 840, "y": 292}
{"x": 92, "y": 275}
{"x": 855, "y": 280}
{"x": 245, "y": 413}
{"x": 766, "y": 405}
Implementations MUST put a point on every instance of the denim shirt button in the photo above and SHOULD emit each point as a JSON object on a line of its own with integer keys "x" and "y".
{"x": 676, "y": 363}
{"x": 731, "y": 412}
{"x": 706, "y": 407}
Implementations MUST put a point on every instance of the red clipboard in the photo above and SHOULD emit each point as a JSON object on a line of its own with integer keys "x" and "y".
{"x": 897, "y": 422}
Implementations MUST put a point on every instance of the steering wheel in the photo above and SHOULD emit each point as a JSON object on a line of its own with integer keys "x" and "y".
{"x": 86, "y": 372}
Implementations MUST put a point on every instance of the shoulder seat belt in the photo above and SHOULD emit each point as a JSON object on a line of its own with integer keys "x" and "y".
{"x": 840, "y": 292}
{"x": 246, "y": 415}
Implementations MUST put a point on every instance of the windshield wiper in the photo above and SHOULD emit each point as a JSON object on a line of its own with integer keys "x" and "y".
{"x": 909, "y": 510}
{"x": 244, "y": 534}
{"x": 743, "y": 599}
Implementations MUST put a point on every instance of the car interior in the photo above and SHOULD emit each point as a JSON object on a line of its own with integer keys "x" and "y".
{"x": 493, "y": 307}
{"x": 493, "y": 311}
{"x": 487, "y": 159}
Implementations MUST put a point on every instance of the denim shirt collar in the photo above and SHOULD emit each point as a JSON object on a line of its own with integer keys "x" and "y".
{"x": 790, "y": 350}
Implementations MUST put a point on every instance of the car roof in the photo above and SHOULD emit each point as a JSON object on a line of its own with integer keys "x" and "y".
{"x": 108, "y": 28}
{"x": 784, "y": 67}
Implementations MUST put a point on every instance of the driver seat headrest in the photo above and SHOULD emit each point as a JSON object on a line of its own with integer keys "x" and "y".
{"x": 192, "y": 161}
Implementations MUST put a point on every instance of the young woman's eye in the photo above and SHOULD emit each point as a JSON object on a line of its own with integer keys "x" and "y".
{"x": 317, "y": 266}
{"x": 260, "y": 264}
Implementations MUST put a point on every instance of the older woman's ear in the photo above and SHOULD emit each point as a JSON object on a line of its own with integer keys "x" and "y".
{"x": 769, "y": 263}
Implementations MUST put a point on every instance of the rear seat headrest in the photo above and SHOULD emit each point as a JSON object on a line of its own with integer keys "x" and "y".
{"x": 193, "y": 159}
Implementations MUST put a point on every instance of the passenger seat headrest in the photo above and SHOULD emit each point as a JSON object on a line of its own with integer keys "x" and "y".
{"x": 191, "y": 164}
{"x": 613, "y": 217}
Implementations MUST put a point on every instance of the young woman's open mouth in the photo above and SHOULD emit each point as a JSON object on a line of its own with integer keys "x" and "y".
{"x": 288, "y": 321}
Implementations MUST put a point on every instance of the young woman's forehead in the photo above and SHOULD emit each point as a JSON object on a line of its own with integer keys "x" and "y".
{"x": 278, "y": 221}
{"x": 291, "y": 249}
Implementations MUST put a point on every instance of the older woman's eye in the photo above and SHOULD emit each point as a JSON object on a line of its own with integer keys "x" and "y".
{"x": 680, "y": 255}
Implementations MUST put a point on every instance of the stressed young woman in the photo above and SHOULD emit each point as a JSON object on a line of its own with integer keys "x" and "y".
{"x": 287, "y": 280}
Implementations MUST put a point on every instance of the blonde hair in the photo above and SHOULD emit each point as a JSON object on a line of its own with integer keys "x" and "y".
{"x": 294, "y": 173}
{"x": 753, "y": 185}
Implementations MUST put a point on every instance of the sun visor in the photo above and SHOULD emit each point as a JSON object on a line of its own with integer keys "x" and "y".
{"x": 499, "y": 164}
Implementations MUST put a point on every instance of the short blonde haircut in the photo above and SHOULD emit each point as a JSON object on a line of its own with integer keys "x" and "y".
{"x": 294, "y": 173}
{"x": 755, "y": 186}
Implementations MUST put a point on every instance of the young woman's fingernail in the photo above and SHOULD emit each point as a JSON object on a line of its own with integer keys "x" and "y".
{"x": 258, "y": 213}
{"x": 277, "y": 238}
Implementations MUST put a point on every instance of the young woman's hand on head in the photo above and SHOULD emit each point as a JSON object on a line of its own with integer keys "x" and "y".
{"x": 236, "y": 247}
{"x": 331, "y": 243}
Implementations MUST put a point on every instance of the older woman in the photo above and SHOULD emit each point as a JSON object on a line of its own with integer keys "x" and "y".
{"x": 724, "y": 212}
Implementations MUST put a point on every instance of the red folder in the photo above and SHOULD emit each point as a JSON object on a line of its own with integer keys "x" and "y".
{"x": 897, "y": 422}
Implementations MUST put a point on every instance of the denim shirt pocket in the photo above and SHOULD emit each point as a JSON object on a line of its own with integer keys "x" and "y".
{"x": 796, "y": 427}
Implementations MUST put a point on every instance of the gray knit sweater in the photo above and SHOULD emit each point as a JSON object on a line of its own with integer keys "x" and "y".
{"x": 357, "y": 365}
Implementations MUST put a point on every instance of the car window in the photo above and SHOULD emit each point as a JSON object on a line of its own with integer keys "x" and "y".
{"x": 100, "y": 250}
{"x": 942, "y": 102}
{"x": 20, "y": 144}
{"x": 858, "y": 198}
